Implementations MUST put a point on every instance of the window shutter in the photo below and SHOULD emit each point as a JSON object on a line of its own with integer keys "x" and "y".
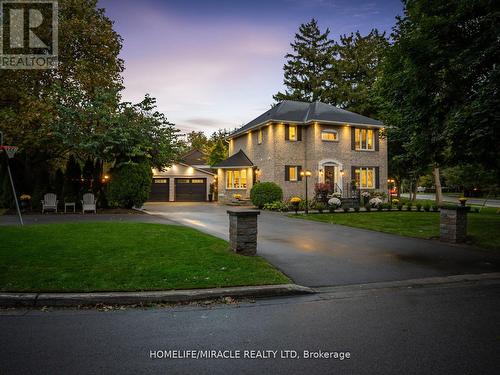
{"x": 287, "y": 173}
{"x": 353, "y": 138}
{"x": 375, "y": 134}
{"x": 287, "y": 133}
{"x": 299, "y": 133}
{"x": 377, "y": 177}
{"x": 299, "y": 169}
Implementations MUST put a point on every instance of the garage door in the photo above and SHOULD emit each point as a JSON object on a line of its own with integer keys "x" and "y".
{"x": 190, "y": 189}
{"x": 159, "y": 190}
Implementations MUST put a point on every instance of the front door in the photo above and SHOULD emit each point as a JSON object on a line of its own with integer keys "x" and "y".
{"x": 330, "y": 175}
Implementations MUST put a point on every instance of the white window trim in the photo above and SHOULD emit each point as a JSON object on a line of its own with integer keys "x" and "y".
{"x": 331, "y": 131}
{"x": 296, "y": 167}
{"x": 360, "y": 142}
{"x": 232, "y": 187}
{"x": 374, "y": 178}
{"x": 296, "y": 133}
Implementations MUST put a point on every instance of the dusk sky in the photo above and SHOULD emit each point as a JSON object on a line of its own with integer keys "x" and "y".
{"x": 216, "y": 64}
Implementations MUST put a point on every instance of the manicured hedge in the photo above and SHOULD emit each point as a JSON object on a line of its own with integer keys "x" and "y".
{"x": 265, "y": 192}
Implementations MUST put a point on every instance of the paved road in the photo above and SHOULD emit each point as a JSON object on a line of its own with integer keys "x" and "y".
{"x": 439, "y": 330}
{"x": 478, "y": 201}
{"x": 318, "y": 254}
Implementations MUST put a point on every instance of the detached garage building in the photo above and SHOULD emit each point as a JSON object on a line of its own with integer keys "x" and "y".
{"x": 185, "y": 181}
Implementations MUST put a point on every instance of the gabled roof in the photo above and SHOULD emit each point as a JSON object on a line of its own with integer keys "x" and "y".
{"x": 194, "y": 157}
{"x": 291, "y": 111}
{"x": 238, "y": 160}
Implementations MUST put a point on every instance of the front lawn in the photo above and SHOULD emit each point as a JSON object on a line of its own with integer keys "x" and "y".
{"x": 483, "y": 227}
{"x": 122, "y": 257}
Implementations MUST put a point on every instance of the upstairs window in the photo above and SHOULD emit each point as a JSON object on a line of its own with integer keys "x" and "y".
{"x": 292, "y": 132}
{"x": 363, "y": 139}
{"x": 329, "y": 135}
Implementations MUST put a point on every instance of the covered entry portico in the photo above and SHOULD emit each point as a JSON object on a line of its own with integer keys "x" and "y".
{"x": 331, "y": 171}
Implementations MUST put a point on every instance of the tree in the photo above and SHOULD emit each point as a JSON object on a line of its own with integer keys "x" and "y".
{"x": 441, "y": 73}
{"x": 307, "y": 68}
{"x": 197, "y": 140}
{"x": 218, "y": 152}
{"x": 130, "y": 185}
{"x": 88, "y": 62}
{"x": 356, "y": 71}
{"x": 72, "y": 180}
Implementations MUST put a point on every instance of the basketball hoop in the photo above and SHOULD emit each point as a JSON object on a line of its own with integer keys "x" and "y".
{"x": 10, "y": 150}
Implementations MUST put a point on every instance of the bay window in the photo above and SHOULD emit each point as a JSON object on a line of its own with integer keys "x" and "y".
{"x": 236, "y": 179}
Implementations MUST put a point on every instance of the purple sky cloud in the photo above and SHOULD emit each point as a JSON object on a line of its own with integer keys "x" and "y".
{"x": 216, "y": 64}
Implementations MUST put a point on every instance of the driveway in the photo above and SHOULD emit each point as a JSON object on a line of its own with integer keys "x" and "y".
{"x": 318, "y": 254}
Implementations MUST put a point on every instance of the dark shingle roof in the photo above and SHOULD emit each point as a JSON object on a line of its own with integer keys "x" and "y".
{"x": 240, "y": 159}
{"x": 194, "y": 157}
{"x": 305, "y": 112}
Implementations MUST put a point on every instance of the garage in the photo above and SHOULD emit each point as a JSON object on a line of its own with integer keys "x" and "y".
{"x": 190, "y": 189}
{"x": 159, "y": 190}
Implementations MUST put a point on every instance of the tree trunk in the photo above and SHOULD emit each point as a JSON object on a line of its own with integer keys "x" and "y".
{"x": 414, "y": 190}
{"x": 398, "y": 188}
{"x": 437, "y": 184}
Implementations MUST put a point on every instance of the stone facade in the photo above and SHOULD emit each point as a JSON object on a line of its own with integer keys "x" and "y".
{"x": 453, "y": 224}
{"x": 311, "y": 153}
{"x": 243, "y": 231}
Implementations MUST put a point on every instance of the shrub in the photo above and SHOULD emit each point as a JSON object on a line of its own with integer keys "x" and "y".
{"x": 333, "y": 204}
{"x": 356, "y": 208}
{"x": 265, "y": 192}
{"x": 388, "y": 206}
{"x": 380, "y": 207}
{"x": 368, "y": 208}
{"x": 427, "y": 207}
{"x": 419, "y": 206}
{"x": 400, "y": 206}
{"x": 408, "y": 206}
{"x": 130, "y": 185}
{"x": 375, "y": 202}
{"x": 320, "y": 206}
{"x": 434, "y": 208}
{"x": 345, "y": 208}
{"x": 277, "y": 206}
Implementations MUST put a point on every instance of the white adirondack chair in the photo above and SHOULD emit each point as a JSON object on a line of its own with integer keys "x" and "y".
{"x": 88, "y": 203}
{"x": 49, "y": 202}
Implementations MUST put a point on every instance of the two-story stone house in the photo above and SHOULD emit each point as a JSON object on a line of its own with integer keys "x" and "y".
{"x": 336, "y": 146}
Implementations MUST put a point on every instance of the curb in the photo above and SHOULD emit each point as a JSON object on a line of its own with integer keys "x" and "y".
{"x": 130, "y": 298}
{"x": 411, "y": 283}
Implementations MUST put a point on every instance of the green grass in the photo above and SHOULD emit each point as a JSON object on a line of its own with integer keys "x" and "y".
{"x": 483, "y": 228}
{"x": 122, "y": 257}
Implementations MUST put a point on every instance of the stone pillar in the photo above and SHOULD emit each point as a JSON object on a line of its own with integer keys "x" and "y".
{"x": 243, "y": 231}
{"x": 453, "y": 224}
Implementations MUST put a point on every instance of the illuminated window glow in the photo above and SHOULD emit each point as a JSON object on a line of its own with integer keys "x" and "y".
{"x": 236, "y": 179}
{"x": 329, "y": 135}
{"x": 365, "y": 178}
{"x": 292, "y": 132}
{"x": 363, "y": 139}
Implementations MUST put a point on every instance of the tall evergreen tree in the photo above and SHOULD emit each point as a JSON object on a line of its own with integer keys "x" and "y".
{"x": 356, "y": 71}
{"x": 307, "y": 67}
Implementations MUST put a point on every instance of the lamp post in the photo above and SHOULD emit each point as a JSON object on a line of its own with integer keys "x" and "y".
{"x": 306, "y": 174}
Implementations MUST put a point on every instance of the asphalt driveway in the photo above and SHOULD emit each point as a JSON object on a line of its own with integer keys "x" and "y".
{"x": 318, "y": 254}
